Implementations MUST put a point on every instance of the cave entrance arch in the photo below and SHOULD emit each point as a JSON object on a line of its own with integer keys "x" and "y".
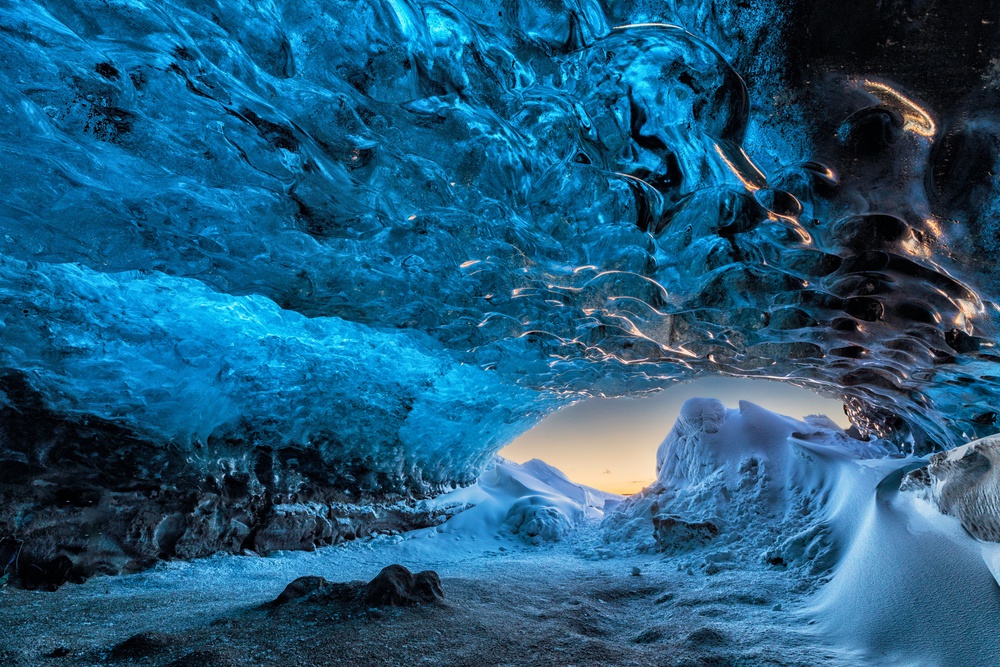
{"x": 610, "y": 444}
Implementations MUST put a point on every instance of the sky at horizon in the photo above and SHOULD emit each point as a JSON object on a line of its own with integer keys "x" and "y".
{"x": 611, "y": 444}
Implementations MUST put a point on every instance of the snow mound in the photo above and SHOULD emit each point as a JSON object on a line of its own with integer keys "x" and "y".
{"x": 533, "y": 501}
{"x": 743, "y": 479}
{"x": 911, "y": 587}
{"x": 536, "y": 520}
{"x": 886, "y": 547}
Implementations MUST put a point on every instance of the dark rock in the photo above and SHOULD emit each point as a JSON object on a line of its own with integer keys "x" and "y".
{"x": 296, "y": 527}
{"x": 674, "y": 534}
{"x": 143, "y": 527}
{"x": 300, "y": 588}
{"x": 141, "y": 645}
{"x": 394, "y": 586}
{"x": 58, "y": 652}
{"x": 43, "y": 574}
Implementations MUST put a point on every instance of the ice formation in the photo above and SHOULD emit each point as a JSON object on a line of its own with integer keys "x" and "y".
{"x": 261, "y": 257}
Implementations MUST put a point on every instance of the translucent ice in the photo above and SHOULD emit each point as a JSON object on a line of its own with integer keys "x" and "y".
{"x": 292, "y": 247}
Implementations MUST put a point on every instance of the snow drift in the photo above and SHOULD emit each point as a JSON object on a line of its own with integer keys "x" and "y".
{"x": 533, "y": 501}
{"x": 898, "y": 553}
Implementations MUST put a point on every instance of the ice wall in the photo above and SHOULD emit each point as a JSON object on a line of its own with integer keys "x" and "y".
{"x": 357, "y": 246}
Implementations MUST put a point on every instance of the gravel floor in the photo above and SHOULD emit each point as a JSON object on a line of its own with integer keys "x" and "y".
{"x": 575, "y": 603}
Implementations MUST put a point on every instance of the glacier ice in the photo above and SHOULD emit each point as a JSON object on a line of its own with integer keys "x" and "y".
{"x": 270, "y": 254}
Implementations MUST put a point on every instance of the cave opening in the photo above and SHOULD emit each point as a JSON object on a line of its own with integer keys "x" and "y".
{"x": 278, "y": 280}
{"x": 610, "y": 443}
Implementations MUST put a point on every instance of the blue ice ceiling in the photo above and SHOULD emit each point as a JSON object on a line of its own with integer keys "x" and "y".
{"x": 388, "y": 236}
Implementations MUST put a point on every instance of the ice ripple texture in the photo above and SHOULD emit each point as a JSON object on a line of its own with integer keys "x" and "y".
{"x": 392, "y": 234}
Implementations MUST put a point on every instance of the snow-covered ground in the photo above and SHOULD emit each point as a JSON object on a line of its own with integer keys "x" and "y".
{"x": 765, "y": 541}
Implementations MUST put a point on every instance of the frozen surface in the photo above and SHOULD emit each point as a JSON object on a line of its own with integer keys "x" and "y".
{"x": 912, "y": 587}
{"x": 269, "y": 253}
{"x": 754, "y": 484}
{"x": 964, "y": 483}
{"x": 518, "y": 606}
{"x": 176, "y": 362}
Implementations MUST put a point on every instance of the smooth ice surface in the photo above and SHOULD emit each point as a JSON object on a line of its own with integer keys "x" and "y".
{"x": 912, "y": 588}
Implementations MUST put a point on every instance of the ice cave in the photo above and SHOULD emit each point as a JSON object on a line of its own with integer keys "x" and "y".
{"x": 280, "y": 279}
